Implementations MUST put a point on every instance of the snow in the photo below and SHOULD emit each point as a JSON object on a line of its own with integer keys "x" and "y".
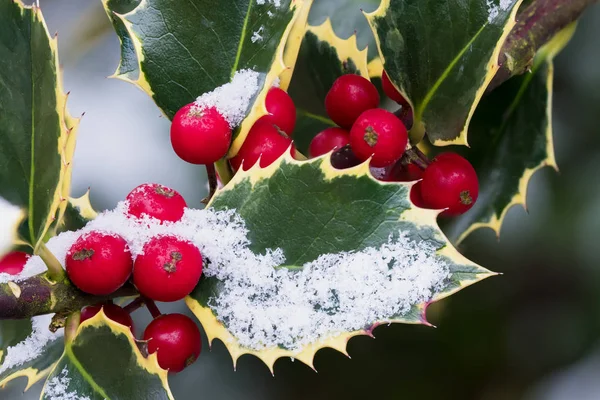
{"x": 276, "y": 3}
{"x": 257, "y": 35}
{"x": 57, "y": 388}
{"x": 232, "y": 100}
{"x": 9, "y": 217}
{"x": 265, "y": 306}
{"x": 33, "y": 345}
{"x": 494, "y": 10}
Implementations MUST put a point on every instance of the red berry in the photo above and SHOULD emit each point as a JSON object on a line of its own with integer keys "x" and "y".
{"x": 177, "y": 340}
{"x": 327, "y": 140}
{"x": 282, "y": 109}
{"x": 13, "y": 263}
{"x": 99, "y": 263}
{"x": 168, "y": 270}
{"x": 380, "y": 134}
{"x": 349, "y": 97}
{"x": 200, "y": 136}
{"x": 112, "y": 311}
{"x": 344, "y": 158}
{"x": 157, "y": 201}
{"x": 392, "y": 92}
{"x": 415, "y": 195}
{"x": 450, "y": 181}
{"x": 404, "y": 173}
{"x": 265, "y": 140}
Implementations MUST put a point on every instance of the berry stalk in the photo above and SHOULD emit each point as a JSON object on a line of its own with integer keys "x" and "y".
{"x": 212, "y": 182}
{"x": 151, "y": 305}
{"x": 56, "y": 273}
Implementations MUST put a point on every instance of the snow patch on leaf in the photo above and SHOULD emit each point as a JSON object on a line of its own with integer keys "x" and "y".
{"x": 33, "y": 345}
{"x": 232, "y": 99}
{"x": 265, "y": 305}
{"x": 57, "y": 388}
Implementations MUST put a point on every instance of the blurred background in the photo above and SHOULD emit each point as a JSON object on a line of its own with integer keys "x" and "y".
{"x": 532, "y": 333}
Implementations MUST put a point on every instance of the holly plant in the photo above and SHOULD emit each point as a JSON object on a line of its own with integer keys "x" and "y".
{"x": 330, "y": 173}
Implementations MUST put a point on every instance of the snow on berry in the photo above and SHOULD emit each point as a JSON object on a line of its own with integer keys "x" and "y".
{"x": 57, "y": 388}
{"x": 232, "y": 100}
{"x": 264, "y": 306}
{"x": 156, "y": 201}
{"x": 32, "y": 346}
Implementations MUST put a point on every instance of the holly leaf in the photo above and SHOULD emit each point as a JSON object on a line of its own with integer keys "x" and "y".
{"x": 175, "y": 66}
{"x": 323, "y": 57}
{"x": 512, "y": 140}
{"x": 19, "y": 335}
{"x": 102, "y": 361}
{"x": 38, "y": 135}
{"x": 326, "y": 211}
{"x": 78, "y": 213}
{"x": 442, "y": 56}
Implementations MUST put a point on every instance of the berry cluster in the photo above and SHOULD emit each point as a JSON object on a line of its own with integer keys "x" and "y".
{"x": 203, "y": 136}
{"x": 167, "y": 270}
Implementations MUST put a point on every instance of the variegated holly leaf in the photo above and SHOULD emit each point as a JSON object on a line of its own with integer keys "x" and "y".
{"x": 78, "y": 213}
{"x": 186, "y": 48}
{"x": 323, "y": 58}
{"x": 9, "y": 225}
{"x": 442, "y": 56}
{"x": 321, "y": 210}
{"x": 512, "y": 139}
{"x": 37, "y": 135}
{"x": 102, "y": 361}
{"x": 27, "y": 350}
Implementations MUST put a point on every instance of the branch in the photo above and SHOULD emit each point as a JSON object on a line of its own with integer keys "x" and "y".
{"x": 38, "y": 295}
{"x": 536, "y": 24}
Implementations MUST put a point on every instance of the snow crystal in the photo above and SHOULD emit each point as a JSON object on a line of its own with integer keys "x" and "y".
{"x": 232, "y": 99}
{"x": 263, "y": 305}
{"x": 276, "y": 3}
{"x": 33, "y": 345}
{"x": 494, "y": 10}
{"x": 57, "y": 388}
{"x": 270, "y": 14}
{"x": 9, "y": 217}
{"x": 257, "y": 35}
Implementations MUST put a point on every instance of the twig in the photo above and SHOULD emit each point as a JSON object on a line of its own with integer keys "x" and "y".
{"x": 138, "y": 302}
{"x": 212, "y": 182}
{"x": 151, "y": 305}
{"x": 536, "y": 24}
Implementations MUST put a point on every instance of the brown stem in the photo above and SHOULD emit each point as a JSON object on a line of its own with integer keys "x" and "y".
{"x": 138, "y": 302}
{"x": 536, "y": 24}
{"x": 212, "y": 182}
{"x": 416, "y": 156}
{"x": 39, "y": 295}
{"x": 151, "y": 305}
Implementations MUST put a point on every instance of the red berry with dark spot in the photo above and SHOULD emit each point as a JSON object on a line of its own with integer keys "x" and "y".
{"x": 380, "y": 134}
{"x": 168, "y": 269}
{"x": 99, "y": 263}
{"x": 282, "y": 109}
{"x": 328, "y": 140}
{"x": 111, "y": 310}
{"x": 450, "y": 181}
{"x": 200, "y": 136}
{"x": 404, "y": 173}
{"x": 416, "y": 197}
{"x": 156, "y": 201}
{"x": 265, "y": 140}
{"x": 13, "y": 263}
{"x": 349, "y": 97}
{"x": 177, "y": 340}
{"x": 391, "y": 92}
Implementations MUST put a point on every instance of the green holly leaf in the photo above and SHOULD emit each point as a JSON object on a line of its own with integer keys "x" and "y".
{"x": 78, "y": 213}
{"x": 187, "y": 48}
{"x": 9, "y": 225}
{"x": 102, "y": 361}
{"x": 128, "y": 66}
{"x": 38, "y": 135}
{"x": 442, "y": 56}
{"x": 512, "y": 140}
{"x": 18, "y": 338}
{"x": 323, "y": 57}
{"x": 326, "y": 211}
